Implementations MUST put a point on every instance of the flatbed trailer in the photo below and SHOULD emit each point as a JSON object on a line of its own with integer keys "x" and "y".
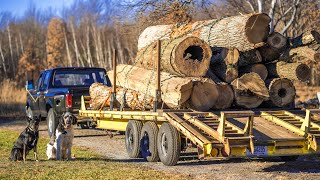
{"x": 165, "y": 133}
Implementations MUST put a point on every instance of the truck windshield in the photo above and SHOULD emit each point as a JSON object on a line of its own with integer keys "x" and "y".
{"x": 65, "y": 78}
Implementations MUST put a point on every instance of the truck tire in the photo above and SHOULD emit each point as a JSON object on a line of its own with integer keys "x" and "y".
{"x": 289, "y": 158}
{"x": 133, "y": 132}
{"x": 148, "y": 142}
{"x": 169, "y": 144}
{"x": 29, "y": 112}
{"x": 51, "y": 122}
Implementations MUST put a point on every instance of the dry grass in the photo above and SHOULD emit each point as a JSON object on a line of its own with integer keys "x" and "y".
{"x": 12, "y": 99}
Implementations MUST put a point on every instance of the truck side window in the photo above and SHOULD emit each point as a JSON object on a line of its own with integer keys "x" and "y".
{"x": 39, "y": 81}
{"x": 45, "y": 83}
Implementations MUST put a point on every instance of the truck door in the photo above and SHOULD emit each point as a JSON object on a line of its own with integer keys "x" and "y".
{"x": 43, "y": 89}
{"x": 35, "y": 96}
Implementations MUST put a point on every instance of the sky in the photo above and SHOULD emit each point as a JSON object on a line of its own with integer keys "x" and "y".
{"x": 17, "y": 7}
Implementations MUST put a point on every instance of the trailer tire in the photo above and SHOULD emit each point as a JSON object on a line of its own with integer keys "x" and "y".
{"x": 169, "y": 144}
{"x": 133, "y": 132}
{"x": 289, "y": 158}
{"x": 51, "y": 122}
{"x": 148, "y": 142}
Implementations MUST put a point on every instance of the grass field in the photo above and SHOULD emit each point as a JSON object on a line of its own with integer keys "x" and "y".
{"x": 87, "y": 165}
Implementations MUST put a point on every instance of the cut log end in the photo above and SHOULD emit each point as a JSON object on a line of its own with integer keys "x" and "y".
{"x": 282, "y": 91}
{"x": 192, "y": 56}
{"x": 257, "y": 28}
{"x": 231, "y": 74}
{"x": 303, "y": 72}
{"x": 277, "y": 40}
{"x": 261, "y": 70}
{"x": 317, "y": 56}
{"x": 226, "y": 96}
{"x": 204, "y": 95}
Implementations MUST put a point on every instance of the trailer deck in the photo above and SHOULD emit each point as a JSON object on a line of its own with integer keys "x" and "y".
{"x": 224, "y": 134}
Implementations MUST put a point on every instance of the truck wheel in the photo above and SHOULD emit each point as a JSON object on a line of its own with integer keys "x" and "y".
{"x": 289, "y": 158}
{"x": 51, "y": 122}
{"x": 148, "y": 142}
{"x": 169, "y": 144}
{"x": 85, "y": 125}
{"x": 29, "y": 112}
{"x": 133, "y": 132}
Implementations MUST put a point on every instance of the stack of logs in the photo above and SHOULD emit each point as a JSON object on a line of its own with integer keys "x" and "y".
{"x": 216, "y": 64}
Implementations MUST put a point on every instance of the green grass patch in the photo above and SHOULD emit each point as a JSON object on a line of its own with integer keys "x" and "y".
{"x": 88, "y": 165}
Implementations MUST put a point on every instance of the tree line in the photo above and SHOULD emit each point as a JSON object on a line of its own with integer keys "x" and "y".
{"x": 86, "y": 32}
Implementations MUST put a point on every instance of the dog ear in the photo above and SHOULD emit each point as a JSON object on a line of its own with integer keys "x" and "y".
{"x": 74, "y": 119}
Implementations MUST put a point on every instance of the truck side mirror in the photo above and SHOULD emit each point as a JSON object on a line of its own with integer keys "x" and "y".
{"x": 29, "y": 84}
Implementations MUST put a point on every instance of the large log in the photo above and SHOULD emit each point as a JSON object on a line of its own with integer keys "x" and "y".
{"x": 269, "y": 54}
{"x": 250, "y": 90}
{"x": 244, "y": 32}
{"x": 186, "y": 56}
{"x": 204, "y": 95}
{"x": 249, "y": 57}
{"x": 292, "y": 71}
{"x": 304, "y": 53}
{"x": 101, "y": 96}
{"x": 282, "y": 91}
{"x": 174, "y": 90}
{"x": 260, "y": 69}
{"x": 306, "y": 38}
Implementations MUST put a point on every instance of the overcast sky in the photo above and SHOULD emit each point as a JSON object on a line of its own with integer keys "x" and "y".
{"x": 17, "y": 7}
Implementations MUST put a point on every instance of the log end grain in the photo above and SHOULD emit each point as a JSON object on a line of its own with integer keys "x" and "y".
{"x": 303, "y": 72}
{"x": 261, "y": 70}
{"x": 257, "y": 28}
{"x": 282, "y": 91}
{"x": 226, "y": 96}
{"x": 204, "y": 95}
{"x": 277, "y": 41}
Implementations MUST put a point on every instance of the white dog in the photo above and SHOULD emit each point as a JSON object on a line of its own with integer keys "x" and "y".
{"x": 60, "y": 144}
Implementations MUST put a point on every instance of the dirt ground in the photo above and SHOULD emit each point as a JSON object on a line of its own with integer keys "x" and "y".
{"x": 114, "y": 148}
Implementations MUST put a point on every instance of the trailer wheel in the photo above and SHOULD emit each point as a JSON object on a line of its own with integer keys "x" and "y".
{"x": 133, "y": 132}
{"x": 51, "y": 122}
{"x": 289, "y": 158}
{"x": 169, "y": 144}
{"x": 148, "y": 142}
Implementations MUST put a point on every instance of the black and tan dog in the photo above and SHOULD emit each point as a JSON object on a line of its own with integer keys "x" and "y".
{"x": 27, "y": 141}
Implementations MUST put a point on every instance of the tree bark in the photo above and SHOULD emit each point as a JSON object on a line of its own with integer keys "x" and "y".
{"x": 260, "y": 69}
{"x": 174, "y": 90}
{"x": 250, "y": 90}
{"x": 244, "y": 32}
{"x": 306, "y": 38}
{"x": 186, "y": 56}
{"x": 292, "y": 71}
{"x": 101, "y": 96}
{"x": 304, "y": 52}
{"x": 282, "y": 91}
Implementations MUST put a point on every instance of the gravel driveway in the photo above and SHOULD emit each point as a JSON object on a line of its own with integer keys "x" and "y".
{"x": 114, "y": 148}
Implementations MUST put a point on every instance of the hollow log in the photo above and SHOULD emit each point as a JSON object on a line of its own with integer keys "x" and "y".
{"x": 292, "y": 71}
{"x": 306, "y": 38}
{"x": 224, "y": 55}
{"x": 244, "y": 32}
{"x": 249, "y": 90}
{"x": 277, "y": 41}
{"x": 186, "y": 56}
{"x": 249, "y": 57}
{"x": 204, "y": 95}
{"x": 260, "y": 69}
{"x": 174, "y": 90}
{"x": 101, "y": 96}
{"x": 282, "y": 91}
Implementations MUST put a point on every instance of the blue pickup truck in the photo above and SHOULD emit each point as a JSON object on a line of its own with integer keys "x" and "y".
{"x": 59, "y": 90}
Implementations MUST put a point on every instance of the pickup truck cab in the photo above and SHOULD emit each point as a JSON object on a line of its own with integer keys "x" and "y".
{"x": 59, "y": 90}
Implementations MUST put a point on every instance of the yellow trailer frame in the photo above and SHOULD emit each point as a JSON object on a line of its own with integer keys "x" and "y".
{"x": 226, "y": 133}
